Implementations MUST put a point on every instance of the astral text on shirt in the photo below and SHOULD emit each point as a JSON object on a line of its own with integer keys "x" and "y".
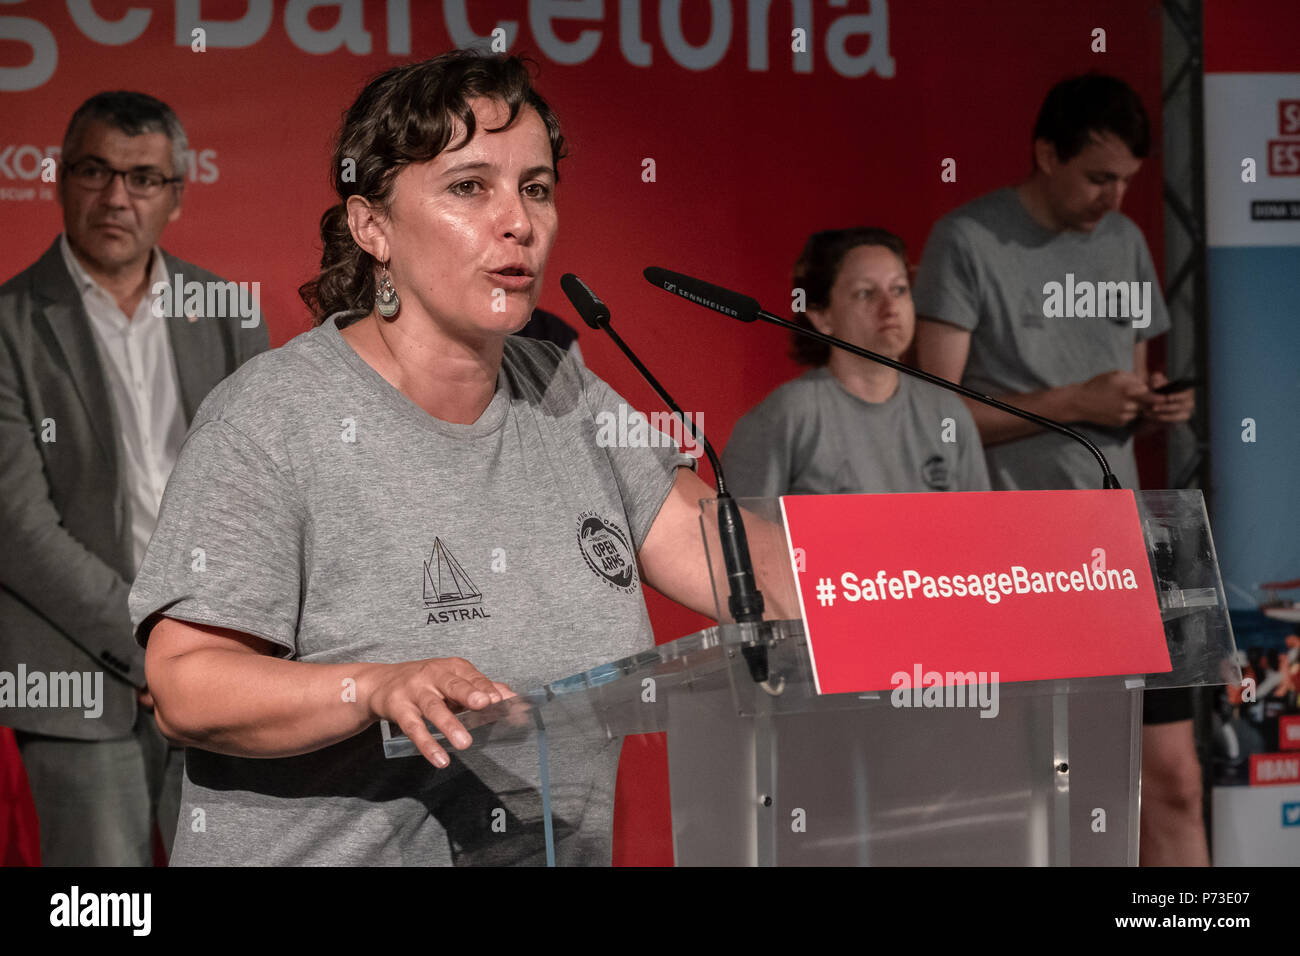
{"x": 457, "y": 614}
{"x": 450, "y": 593}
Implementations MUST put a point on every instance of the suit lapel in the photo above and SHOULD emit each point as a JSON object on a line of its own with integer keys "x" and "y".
{"x": 197, "y": 347}
{"x": 67, "y": 320}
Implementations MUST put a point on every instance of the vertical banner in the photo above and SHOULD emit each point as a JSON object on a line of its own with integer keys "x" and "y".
{"x": 1252, "y": 192}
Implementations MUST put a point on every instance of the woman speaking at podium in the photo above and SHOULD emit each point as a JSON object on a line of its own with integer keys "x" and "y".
{"x": 404, "y": 512}
{"x": 851, "y": 425}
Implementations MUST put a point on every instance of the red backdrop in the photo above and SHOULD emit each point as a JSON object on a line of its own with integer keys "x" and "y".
{"x": 748, "y": 160}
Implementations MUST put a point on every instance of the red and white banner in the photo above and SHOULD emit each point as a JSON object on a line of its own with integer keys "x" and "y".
{"x": 1016, "y": 586}
{"x": 1269, "y": 769}
{"x": 1288, "y": 732}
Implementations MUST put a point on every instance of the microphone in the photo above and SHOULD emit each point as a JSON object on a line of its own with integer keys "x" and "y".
{"x": 745, "y": 601}
{"x": 745, "y": 309}
{"x": 707, "y": 294}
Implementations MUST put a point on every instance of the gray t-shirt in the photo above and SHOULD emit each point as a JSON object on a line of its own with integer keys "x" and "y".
{"x": 985, "y": 267}
{"x": 812, "y": 437}
{"x": 315, "y": 506}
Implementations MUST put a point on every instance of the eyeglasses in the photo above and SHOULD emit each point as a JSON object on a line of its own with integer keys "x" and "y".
{"x": 142, "y": 183}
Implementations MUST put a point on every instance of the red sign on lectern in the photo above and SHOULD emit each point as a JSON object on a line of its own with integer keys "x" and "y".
{"x": 1014, "y": 586}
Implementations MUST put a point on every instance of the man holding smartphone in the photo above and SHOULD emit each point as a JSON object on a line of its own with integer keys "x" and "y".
{"x": 1044, "y": 295}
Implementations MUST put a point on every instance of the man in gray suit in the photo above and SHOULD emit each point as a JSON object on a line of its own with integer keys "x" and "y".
{"x": 107, "y": 347}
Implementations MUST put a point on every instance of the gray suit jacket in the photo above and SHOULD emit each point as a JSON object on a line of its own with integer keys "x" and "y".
{"x": 66, "y": 559}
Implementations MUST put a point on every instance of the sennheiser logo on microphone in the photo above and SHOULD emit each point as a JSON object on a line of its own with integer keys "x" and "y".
{"x": 700, "y": 300}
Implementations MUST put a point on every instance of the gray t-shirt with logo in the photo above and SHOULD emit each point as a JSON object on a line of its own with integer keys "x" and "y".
{"x": 811, "y": 437}
{"x": 985, "y": 268}
{"x": 315, "y": 506}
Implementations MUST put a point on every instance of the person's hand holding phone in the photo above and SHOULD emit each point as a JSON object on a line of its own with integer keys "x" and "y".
{"x": 1168, "y": 403}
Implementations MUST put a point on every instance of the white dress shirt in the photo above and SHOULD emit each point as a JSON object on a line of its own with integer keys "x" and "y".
{"x": 140, "y": 370}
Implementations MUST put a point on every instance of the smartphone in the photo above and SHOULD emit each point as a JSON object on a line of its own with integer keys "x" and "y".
{"x": 1179, "y": 386}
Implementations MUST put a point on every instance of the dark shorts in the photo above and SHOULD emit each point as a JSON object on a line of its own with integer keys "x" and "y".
{"x": 1166, "y": 706}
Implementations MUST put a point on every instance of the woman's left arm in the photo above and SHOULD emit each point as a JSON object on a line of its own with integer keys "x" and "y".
{"x": 673, "y": 560}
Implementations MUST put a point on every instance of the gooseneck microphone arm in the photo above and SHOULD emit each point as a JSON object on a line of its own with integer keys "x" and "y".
{"x": 668, "y": 400}
{"x": 744, "y": 600}
{"x": 745, "y": 309}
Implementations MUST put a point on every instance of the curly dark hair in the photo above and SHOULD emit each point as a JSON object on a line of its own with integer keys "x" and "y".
{"x": 407, "y": 115}
{"x": 815, "y": 272}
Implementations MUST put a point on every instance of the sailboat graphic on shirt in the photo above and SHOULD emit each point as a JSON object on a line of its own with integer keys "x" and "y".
{"x": 445, "y": 582}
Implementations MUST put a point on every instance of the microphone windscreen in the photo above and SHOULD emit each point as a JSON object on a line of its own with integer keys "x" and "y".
{"x": 591, "y": 309}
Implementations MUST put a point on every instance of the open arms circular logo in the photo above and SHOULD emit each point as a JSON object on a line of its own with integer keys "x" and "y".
{"x": 607, "y": 551}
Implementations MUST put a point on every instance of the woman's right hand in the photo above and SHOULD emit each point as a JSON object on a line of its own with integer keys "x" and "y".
{"x": 408, "y": 693}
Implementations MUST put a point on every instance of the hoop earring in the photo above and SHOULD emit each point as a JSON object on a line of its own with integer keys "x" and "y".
{"x": 386, "y": 301}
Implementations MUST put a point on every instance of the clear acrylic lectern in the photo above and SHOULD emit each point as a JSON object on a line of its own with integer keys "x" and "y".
{"x": 764, "y": 771}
